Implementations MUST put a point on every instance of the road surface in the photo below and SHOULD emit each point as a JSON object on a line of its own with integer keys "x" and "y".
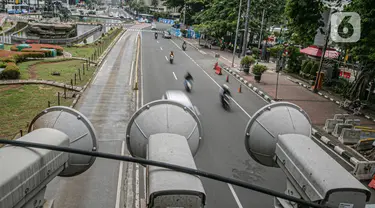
{"x": 222, "y": 150}
{"x": 108, "y": 104}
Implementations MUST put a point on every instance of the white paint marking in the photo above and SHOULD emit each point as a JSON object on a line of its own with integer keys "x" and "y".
{"x": 131, "y": 74}
{"x": 96, "y": 76}
{"x": 176, "y": 45}
{"x": 136, "y": 185}
{"x": 129, "y": 191}
{"x": 157, "y": 41}
{"x": 118, "y": 194}
{"x": 161, "y": 48}
{"x": 166, "y": 58}
{"x": 235, "y": 196}
{"x": 174, "y": 75}
{"x": 202, "y": 52}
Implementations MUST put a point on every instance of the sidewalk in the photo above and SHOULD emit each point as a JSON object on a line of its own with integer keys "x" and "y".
{"x": 318, "y": 107}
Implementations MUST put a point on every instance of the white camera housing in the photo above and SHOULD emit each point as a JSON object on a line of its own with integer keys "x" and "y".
{"x": 279, "y": 135}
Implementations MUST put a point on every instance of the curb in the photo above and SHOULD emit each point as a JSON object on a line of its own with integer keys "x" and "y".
{"x": 98, "y": 66}
{"x": 346, "y": 155}
{"x": 337, "y": 102}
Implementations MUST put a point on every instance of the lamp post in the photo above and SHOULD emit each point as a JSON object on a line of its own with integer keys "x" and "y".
{"x": 235, "y": 40}
{"x": 246, "y": 28}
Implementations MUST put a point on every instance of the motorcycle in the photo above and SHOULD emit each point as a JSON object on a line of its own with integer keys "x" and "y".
{"x": 171, "y": 59}
{"x": 184, "y": 47}
{"x": 156, "y": 36}
{"x": 226, "y": 102}
{"x": 188, "y": 85}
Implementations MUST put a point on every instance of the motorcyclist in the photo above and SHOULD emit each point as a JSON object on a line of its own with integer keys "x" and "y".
{"x": 184, "y": 44}
{"x": 156, "y": 35}
{"x": 171, "y": 54}
{"x": 188, "y": 77}
{"x": 224, "y": 91}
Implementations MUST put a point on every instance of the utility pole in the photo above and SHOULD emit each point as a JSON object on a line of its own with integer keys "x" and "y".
{"x": 261, "y": 28}
{"x": 235, "y": 39}
{"x": 323, "y": 52}
{"x": 184, "y": 13}
{"x": 246, "y": 28}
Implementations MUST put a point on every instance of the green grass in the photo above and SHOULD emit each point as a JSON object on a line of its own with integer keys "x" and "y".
{"x": 7, "y": 47}
{"x": 20, "y": 103}
{"x": 84, "y": 52}
{"x": 67, "y": 69}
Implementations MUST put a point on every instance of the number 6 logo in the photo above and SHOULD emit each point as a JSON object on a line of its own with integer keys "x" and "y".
{"x": 345, "y": 27}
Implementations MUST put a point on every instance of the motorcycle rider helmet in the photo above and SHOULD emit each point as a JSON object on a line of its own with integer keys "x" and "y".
{"x": 225, "y": 86}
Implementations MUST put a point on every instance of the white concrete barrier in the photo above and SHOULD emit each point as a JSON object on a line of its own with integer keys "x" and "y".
{"x": 365, "y": 144}
{"x": 364, "y": 170}
{"x": 330, "y": 124}
{"x": 339, "y": 127}
{"x": 354, "y": 122}
{"x": 350, "y": 136}
{"x": 341, "y": 116}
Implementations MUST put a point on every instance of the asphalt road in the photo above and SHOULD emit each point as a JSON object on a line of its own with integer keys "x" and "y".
{"x": 222, "y": 150}
{"x": 108, "y": 104}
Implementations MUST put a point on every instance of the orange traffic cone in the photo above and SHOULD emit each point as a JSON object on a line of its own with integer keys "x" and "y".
{"x": 227, "y": 78}
{"x": 372, "y": 183}
{"x": 240, "y": 89}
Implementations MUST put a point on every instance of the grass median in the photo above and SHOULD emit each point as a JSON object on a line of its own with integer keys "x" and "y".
{"x": 67, "y": 69}
{"x": 20, "y": 103}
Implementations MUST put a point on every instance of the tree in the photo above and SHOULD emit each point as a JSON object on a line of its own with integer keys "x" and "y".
{"x": 154, "y": 3}
{"x": 363, "y": 50}
{"x": 303, "y": 18}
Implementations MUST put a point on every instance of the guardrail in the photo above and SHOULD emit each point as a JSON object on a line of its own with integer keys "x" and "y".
{"x": 61, "y": 41}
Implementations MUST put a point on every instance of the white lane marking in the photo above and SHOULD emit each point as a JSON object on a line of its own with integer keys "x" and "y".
{"x": 136, "y": 185}
{"x": 325, "y": 146}
{"x": 174, "y": 75}
{"x": 157, "y": 41}
{"x": 131, "y": 74}
{"x": 202, "y": 52}
{"x": 166, "y": 58}
{"x": 235, "y": 196}
{"x": 141, "y": 71}
{"x": 96, "y": 76}
{"x": 161, "y": 48}
{"x": 176, "y": 45}
{"x": 129, "y": 186}
{"x": 118, "y": 194}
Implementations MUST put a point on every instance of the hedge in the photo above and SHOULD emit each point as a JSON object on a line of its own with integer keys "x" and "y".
{"x": 47, "y": 53}
{"x": 11, "y": 71}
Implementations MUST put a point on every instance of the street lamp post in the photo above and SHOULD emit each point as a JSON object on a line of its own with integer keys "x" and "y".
{"x": 235, "y": 39}
{"x": 246, "y": 28}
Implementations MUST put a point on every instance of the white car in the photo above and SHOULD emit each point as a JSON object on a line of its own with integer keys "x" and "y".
{"x": 180, "y": 97}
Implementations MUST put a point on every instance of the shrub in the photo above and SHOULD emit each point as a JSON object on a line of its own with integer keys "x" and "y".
{"x": 255, "y": 52}
{"x": 314, "y": 69}
{"x": 14, "y": 48}
{"x": 11, "y": 71}
{"x": 259, "y": 69}
{"x": 85, "y": 41}
{"x": 3, "y": 65}
{"x": 294, "y": 59}
{"x": 47, "y": 53}
{"x": 304, "y": 62}
{"x": 274, "y": 51}
{"x": 247, "y": 61}
{"x": 308, "y": 67}
{"x": 7, "y": 59}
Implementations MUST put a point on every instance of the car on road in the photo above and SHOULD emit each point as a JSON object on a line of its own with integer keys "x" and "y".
{"x": 180, "y": 97}
{"x": 167, "y": 35}
{"x": 153, "y": 26}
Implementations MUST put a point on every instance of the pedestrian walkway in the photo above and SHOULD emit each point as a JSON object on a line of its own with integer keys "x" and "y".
{"x": 318, "y": 106}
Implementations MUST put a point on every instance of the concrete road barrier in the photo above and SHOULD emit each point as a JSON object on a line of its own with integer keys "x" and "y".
{"x": 354, "y": 122}
{"x": 367, "y": 133}
{"x": 330, "y": 124}
{"x": 341, "y": 116}
{"x": 339, "y": 127}
{"x": 364, "y": 170}
{"x": 365, "y": 144}
{"x": 350, "y": 136}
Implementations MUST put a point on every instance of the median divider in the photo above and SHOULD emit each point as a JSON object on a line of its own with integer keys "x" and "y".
{"x": 137, "y": 62}
{"x": 98, "y": 66}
